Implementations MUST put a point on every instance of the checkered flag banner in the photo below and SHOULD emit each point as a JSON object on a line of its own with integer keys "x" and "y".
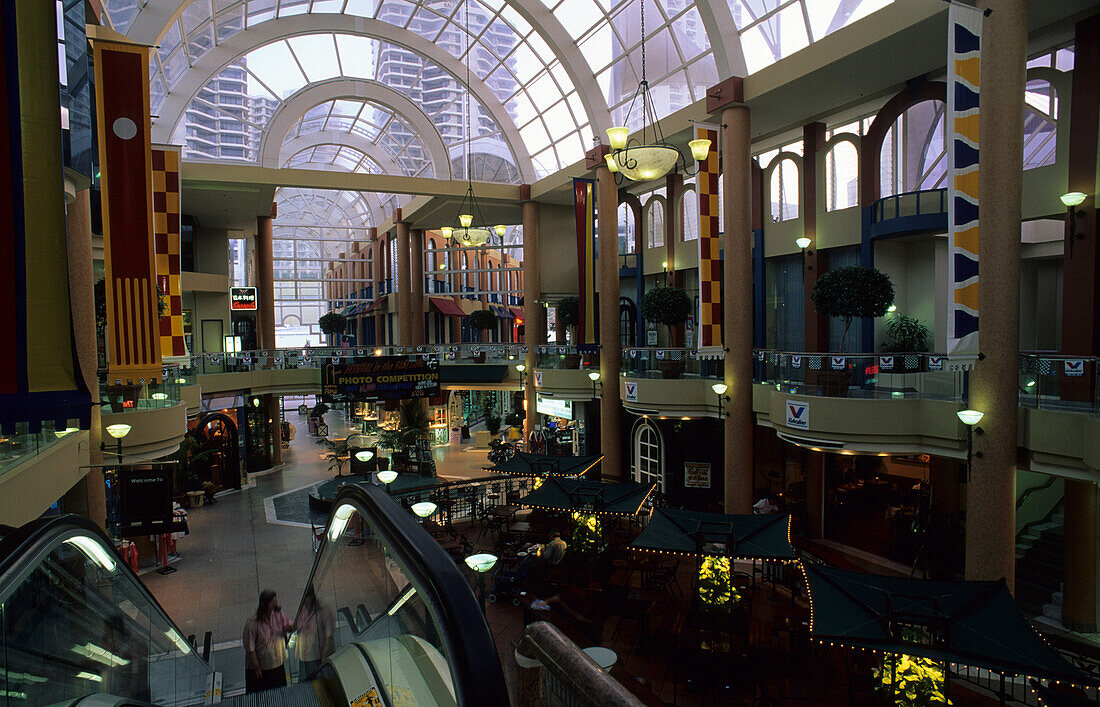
{"x": 912, "y": 361}
{"x": 1046, "y": 366}
{"x": 813, "y": 363}
{"x": 675, "y": 355}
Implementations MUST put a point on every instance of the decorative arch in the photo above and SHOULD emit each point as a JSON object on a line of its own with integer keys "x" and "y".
{"x": 870, "y": 160}
{"x": 294, "y": 107}
{"x": 635, "y": 205}
{"x": 681, "y": 215}
{"x": 769, "y": 197}
{"x": 213, "y": 62}
{"x": 647, "y": 454}
{"x": 647, "y": 212}
{"x": 218, "y": 431}
{"x": 830, "y": 166}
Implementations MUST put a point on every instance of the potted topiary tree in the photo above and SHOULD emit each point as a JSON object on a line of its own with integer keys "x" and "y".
{"x": 482, "y": 320}
{"x": 332, "y": 324}
{"x": 847, "y": 293}
{"x": 670, "y": 306}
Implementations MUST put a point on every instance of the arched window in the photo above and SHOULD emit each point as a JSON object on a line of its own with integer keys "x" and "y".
{"x": 1040, "y": 124}
{"x": 626, "y": 229}
{"x": 913, "y": 156}
{"x": 655, "y": 223}
{"x": 784, "y": 191}
{"x": 841, "y": 176}
{"x": 649, "y": 456}
{"x": 689, "y": 215}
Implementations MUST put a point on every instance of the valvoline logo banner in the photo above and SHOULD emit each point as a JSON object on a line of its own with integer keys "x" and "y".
{"x": 1075, "y": 367}
{"x": 631, "y": 391}
{"x": 886, "y": 363}
{"x": 935, "y": 363}
{"x": 798, "y": 414}
{"x": 796, "y": 361}
{"x": 838, "y": 363}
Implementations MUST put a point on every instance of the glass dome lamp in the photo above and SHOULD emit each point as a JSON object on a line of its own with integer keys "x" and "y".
{"x": 593, "y": 376}
{"x": 617, "y": 136}
{"x": 387, "y": 477}
{"x": 699, "y": 149}
{"x": 1073, "y": 198}
{"x": 482, "y": 562}
{"x": 465, "y": 220}
{"x": 521, "y": 367}
{"x": 423, "y": 509}
{"x": 719, "y": 388}
{"x": 647, "y": 162}
{"x": 364, "y": 455}
{"x": 970, "y": 417}
{"x": 500, "y": 230}
{"x": 446, "y": 231}
{"x": 119, "y": 430}
{"x": 802, "y": 242}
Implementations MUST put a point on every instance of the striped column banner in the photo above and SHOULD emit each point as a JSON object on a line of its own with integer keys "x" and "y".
{"x": 125, "y": 160}
{"x": 710, "y": 265}
{"x": 584, "y": 203}
{"x": 963, "y": 90}
{"x": 166, "y": 242}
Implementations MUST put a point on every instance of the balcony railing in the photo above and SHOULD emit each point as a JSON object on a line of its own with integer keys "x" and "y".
{"x": 1050, "y": 381}
{"x": 116, "y": 396}
{"x": 909, "y": 375}
{"x": 911, "y": 203}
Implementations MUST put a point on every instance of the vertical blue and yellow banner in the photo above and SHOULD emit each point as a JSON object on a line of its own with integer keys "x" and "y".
{"x": 584, "y": 202}
{"x": 125, "y": 163}
{"x": 963, "y": 91}
{"x": 710, "y": 246}
{"x": 38, "y": 373}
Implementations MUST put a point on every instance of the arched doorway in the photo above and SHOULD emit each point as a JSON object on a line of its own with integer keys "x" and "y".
{"x": 216, "y": 433}
{"x": 628, "y": 322}
{"x": 649, "y": 457}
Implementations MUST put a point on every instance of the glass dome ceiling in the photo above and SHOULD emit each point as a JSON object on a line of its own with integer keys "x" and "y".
{"x": 547, "y": 75}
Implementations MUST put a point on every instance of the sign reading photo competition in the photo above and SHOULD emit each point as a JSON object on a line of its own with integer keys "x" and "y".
{"x": 383, "y": 377}
{"x": 798, "y": 414}
{"x": 697, "y": 475}
{"x": 242, "y": 299}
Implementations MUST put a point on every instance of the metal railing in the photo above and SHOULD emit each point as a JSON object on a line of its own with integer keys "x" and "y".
{"x": 911, "y": 203}
{"x": 566, "y": 675}
{"x": 1051, "y": 381}
{"x": 668, "y": 363}
{"x": 908, "y": 375}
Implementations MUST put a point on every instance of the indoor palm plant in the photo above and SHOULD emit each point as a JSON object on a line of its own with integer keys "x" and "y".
{"x": 906, "y": 335}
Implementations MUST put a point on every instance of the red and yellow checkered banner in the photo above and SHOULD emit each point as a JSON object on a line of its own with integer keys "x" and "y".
{"x": 166, "y": 241}
{"x": 584, "y": 202}
{"x": 125, "y": 163}
{"x": 710, "y": 263}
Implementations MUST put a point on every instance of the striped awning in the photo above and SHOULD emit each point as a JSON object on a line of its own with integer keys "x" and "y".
{"x": 376, "y": 304}
{"x": 517, "y": 312}
{"x": 500, "y": 311}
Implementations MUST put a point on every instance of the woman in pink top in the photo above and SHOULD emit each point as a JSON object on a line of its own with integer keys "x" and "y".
{"x": 265, "y": 645}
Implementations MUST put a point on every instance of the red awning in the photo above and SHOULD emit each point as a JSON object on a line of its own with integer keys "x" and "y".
{"x": 376, "y": 304}
{"x": 446, "y": 307}
{"x": 517, "y": 312}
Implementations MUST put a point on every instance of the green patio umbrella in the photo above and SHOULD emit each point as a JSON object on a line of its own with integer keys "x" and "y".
{"x": 740, "y": 537}
{"x": 525, "y": 464}
{"x": 589, "y": 496}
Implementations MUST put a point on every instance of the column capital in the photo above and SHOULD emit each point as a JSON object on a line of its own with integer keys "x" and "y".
{"x": 594, "y": 158}
{"x": 397, "y": 215}
{"x": 373, "y": 233}
{"x": 726, "y": 94}
{"x": 525, "y": 192}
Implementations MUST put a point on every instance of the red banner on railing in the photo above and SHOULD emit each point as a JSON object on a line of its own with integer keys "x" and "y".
{"x": 584, "y": 202}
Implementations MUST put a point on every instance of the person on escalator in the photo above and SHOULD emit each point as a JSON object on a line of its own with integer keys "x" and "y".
{"x": 264, "y": 641}
{"x": 313, "y": 627}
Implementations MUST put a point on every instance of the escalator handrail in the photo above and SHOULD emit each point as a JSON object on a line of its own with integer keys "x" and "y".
{"x": 478, "y": 676}
{"x": 29, "y": 545}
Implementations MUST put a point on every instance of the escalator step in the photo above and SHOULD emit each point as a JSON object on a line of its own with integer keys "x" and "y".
{"x": 308, "y": 694}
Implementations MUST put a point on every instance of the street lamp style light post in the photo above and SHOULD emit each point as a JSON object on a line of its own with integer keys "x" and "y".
{"x": 481, "y": 563}
{"x": 594, "y": 376}
{"x": 1071, "y": 200}
{"x": 971, "y": 418}
{"x": 387, "y": 477}
{"x": 720, "y": 390}
{"x": 118, "y": 431}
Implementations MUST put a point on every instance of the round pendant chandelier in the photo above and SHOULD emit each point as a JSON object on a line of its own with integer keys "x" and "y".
{"x": 650, "y": 157}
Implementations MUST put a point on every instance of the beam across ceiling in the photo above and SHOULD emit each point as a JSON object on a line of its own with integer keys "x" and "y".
{"x": 220, "y": 173}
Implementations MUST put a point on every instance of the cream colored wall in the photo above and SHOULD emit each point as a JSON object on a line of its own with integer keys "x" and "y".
{"x": 28, "y": 489}
{"x": 154, "y": 432}
{"x": 557, "y": 251}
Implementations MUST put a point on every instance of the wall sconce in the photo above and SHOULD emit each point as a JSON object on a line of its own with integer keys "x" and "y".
{"x": 803, "y": 243}
{"x": 594, "y": 376}
{"x": 1071, "y": 200}
{"x": 720, "y": 390}
{"x": 970, "y": 418}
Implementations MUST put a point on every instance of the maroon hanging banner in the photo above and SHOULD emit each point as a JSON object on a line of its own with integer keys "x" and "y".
{"x": 125, "y": 160}
{"x": 584, "y": 202}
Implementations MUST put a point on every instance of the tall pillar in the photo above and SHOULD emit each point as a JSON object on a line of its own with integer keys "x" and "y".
{"x": 737, "y": 322}
{"x": 1079, "y": 572}
{"x": 404, "y": 284}
{"x": 419, "y": 335}
{"x": 991, "y": 493}
{"x": 265, "y": 282}
{"x": 533, "y": 332}
{"x": 379, "y": 249}
{"x": 815, "y": 330}
{"x": 265, "y": 329}
{"x": 674, "y": 232}
{"x": 1081, "y": 256}
{"x": 90, "y": 492}
{"x": 607, "y": 200}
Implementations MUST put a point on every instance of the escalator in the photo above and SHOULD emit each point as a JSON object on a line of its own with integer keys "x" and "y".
{"x": 392, "y": 617}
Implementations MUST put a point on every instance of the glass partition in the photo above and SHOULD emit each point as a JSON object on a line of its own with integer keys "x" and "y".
{"x": 384, "y": 595}
{"x": 74, "y": 621}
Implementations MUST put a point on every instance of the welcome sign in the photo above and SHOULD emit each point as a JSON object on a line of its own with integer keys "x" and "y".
{"x": 381, "y": 377}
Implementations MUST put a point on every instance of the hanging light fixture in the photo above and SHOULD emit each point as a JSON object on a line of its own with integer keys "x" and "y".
{"x": 650, "y": 157}
{"x": 466, "y": 233}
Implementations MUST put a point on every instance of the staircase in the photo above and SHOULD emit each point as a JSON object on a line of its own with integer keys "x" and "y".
{"x": 1039, "y": 553}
